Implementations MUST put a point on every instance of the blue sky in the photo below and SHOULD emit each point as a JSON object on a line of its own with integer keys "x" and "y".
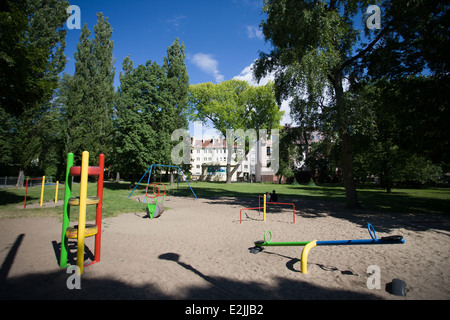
{"x": 222, "y": 37}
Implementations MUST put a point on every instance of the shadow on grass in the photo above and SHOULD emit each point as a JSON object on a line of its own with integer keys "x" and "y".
{"x": 401, "y": 202}
{"x": 117, "y": 186}
{"x": 371, "y": 199}
{"x": 7, "y": 197}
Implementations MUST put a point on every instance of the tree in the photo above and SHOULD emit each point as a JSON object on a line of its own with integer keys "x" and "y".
{"x": 177, "y": 82}
{"x": 414, "y": 39}
{"x": 409, "y": 70}
{"x": 90, "y": 91}
{"x": 407, "y": 142}
{"x": 103, "y": 80}
{"x": 324, "y": 160}
{"x": 318, "y": 49}
{"x": 135, "y": 137}
{"x": 313, "y": 50}
{"x": 31, "y": 57}
{"x": 32, "y": 52}
{"x": 177, "y": 92}
{"x": 151, "y": 104}
{"x": 289, "y": 148}
{"x": 234, "y": 105}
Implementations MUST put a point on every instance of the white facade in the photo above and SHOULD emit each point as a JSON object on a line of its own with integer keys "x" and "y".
{"x": 209, "y": 161}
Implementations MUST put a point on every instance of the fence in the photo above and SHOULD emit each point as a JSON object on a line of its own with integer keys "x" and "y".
{"x": 11, "y": 181}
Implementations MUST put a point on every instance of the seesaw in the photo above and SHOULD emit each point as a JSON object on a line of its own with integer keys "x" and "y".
{"x": 259, "y": 245}
{"x": 155, "y": 209}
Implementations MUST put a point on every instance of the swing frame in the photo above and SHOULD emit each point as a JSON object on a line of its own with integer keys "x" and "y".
{"x": 149, "y": 171}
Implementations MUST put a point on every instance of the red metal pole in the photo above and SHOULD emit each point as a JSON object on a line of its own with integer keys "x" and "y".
{"x": 25, "y": 200}
{"x": 259, "y": 204}
{"x": 26, "y": 189}
{"x": 291, "y": 204}
{"x": 98, "y": 221}
{"x": 248, "y": 209}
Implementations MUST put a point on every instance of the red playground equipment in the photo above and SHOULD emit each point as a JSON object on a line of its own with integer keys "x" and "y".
{"x": 264, "y": 207}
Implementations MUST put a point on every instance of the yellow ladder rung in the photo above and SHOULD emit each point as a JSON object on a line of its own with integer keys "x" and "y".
{"x": 89, "y": 201}
{"x": 89, "y": 231}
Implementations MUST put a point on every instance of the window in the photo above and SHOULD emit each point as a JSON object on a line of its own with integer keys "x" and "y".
{"x": 268, "y": 151}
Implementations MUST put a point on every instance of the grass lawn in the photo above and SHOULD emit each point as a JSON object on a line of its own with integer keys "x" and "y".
{"x": 428, "y": 200}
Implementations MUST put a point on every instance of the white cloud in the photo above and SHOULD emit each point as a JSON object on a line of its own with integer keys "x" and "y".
{"x": 176, "y": 21}
{"x": 247, "y": 75}
{"x": 208, "y": 64}
{"x": 254, "y": 32}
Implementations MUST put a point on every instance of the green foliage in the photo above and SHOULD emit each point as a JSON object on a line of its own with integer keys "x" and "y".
{"x": 151, "y": 104}
{"x": 32, "y": 52}
{"x": 323, "y": 160}
{"x": 234, "y": 105}
{"x": 32, "y": 35}
{"x": 135, "y": 118}
{"x": 90, "y": 91}
{"x": 415, "y": 39}
{"x": 289, "y": 152}
{"x": 177, "y": 82}
{"x": 316, "y": 45}
{"x": 408, "y": 142}
{"x": 222, "y": 104}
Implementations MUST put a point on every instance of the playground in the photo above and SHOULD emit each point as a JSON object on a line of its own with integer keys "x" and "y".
{"x": 200, "y": 249}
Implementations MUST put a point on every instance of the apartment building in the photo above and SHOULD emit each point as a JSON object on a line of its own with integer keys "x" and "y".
{"x": 209, "y": 161}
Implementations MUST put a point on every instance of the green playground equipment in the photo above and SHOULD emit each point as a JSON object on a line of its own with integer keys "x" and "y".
{"x": 155, "y": 209}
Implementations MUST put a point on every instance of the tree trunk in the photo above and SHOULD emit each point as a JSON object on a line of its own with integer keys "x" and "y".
{"x": 20, "y": 178}
{"x": 351, "y": 196}
{"x": 346, "y": 142}
{"x": 389, "y": 188}
{"x": 228, "y": 173}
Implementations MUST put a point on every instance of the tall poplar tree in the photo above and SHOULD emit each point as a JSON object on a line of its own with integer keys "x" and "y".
{"x": 88, "y": 95}
{"x": 102, "y": 48}
{"x": 151, "y": 104}
{"x": 136, "y": 139}
{"x": 177, "y": 82}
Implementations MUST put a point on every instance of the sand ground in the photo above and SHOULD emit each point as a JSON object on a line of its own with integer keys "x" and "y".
{"x": 198, "y": 249}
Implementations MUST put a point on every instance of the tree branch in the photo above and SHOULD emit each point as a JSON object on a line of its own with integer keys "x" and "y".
{"x": 365, "y": 50}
